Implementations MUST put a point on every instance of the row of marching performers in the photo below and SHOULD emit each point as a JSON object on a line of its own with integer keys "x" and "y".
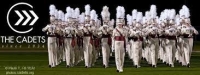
{"x": 74, "y": 37}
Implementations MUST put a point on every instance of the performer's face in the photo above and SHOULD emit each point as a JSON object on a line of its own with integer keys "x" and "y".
{"x": 120, "y": 25}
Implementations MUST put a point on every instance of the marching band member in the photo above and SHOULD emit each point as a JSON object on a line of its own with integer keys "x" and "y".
{"x": 105, "y": 35}
{"x": 188, "y": 32}
{"x": 129, "y": 23}
{"x": 73, "y": 37}
{"x": 119, "y": 35}
{"x": 153, "y": 37}
{"x": 171, "y": 34}
{"x": 87, "y": 39}
{"x": 95, "y": 40}
{"x": 68, "y": 37}
{"x": 50, "y": 30}
{"x": 137, "y": 40}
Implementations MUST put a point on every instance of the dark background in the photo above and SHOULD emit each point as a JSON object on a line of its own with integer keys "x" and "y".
{"x": 41, "y": 8}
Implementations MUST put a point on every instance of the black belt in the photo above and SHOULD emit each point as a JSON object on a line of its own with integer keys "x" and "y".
{"x": 153, "y": 36}
{"x": 171, "y": 37}
{"x": 187, "y": 36}
{"x": 105, "y": 36}
{"x": 51, "y": 35}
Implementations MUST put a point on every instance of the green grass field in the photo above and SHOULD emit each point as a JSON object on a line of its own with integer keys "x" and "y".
{"x": 38, "y": 61}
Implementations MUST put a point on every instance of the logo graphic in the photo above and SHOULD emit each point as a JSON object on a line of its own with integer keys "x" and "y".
{"x": 20, "y": 12}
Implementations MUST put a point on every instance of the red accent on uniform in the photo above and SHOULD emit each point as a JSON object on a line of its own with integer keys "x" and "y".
{"x": 109, "y": 41}
{"x": 96, "y": 42}
{"x": 73, "y": 43}
{"x": 119, "y": 38}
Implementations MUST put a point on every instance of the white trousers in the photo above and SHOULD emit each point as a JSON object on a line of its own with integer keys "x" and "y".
{"x": 171, "y": 49}
{"x": 68, "y": 49}
{"x": 154, "y": 50}
{"x": 51, "y": 51}
{"x": 119, "y": 54}
{"x": 137, "y": 46}
{"x": 132, "y": 50}
{"x": 87, "y": 51}
{"x": 187, "y": 48}
{"x": 105, "y": 51}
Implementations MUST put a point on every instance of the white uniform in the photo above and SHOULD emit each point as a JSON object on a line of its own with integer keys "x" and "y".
{"x": 188, "y": 32}
{"x": 171, "y": 45}
{"x": 68, "y": 46}
{"x": 94, "y": 44}
{"x": 105, "y": 46}
{"x": 51, "y": 44}
{"x": 87, "y": 46}
{"x": 119, "y": 43}
{"x": 154, "y": 46}
{"x": 137, "y": 39}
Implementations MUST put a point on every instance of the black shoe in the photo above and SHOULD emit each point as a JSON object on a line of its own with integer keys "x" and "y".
{"x": 136, "y": 66}
{"x": 180, "y": 63}
{"x": 177, "y": 61}
{"x": 117, "y": 70}
{"x": 154, "y": 66}
{"x": 67, "y": 66}
{"x": 170, "y": 65}
{"x": 104, "y": 66}
{"x": 86, "y": 66}
{"x": 142, "y": 58}
{"x": 49, "y": 66}
{"x": 188, "y": 65}
{"x": 159, "y": 59}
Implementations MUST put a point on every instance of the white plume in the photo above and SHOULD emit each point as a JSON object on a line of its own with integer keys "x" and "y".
{"x": 177, "y": 19}
{"x": 52, "y": 12}
{"x": 52, "y": 9}
{"x": 56, "y": 13}
{"x": 73, "y": 13}
{"x": 139, "y": 17}
{"x": 93, "y": 14}
{"x": 69, "y": 12}
{"x": 123, "y": 11}
{"x": 82, "y": 18}
{"x": 161, "y": 15}
{"x": 172, "y": 14}
{"x": 186, "y": 11}
{"x": 129, "y": 19}
{"x": 147, "y": 15}
{"x": 181, "y": 12}
{"x": 166, "y": 14}
{"x": 134, "y": 14}
{"x": 105, "y": 12}
{"x": 59, "y": 14}
{"x": 77, "y": 12}
{"x": 153, "y": 11}
{"x": 87, "y": 9}
{"x": 120, "y": 12}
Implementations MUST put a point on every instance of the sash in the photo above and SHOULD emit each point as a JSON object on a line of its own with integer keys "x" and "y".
{"x": 122, "y": 36}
